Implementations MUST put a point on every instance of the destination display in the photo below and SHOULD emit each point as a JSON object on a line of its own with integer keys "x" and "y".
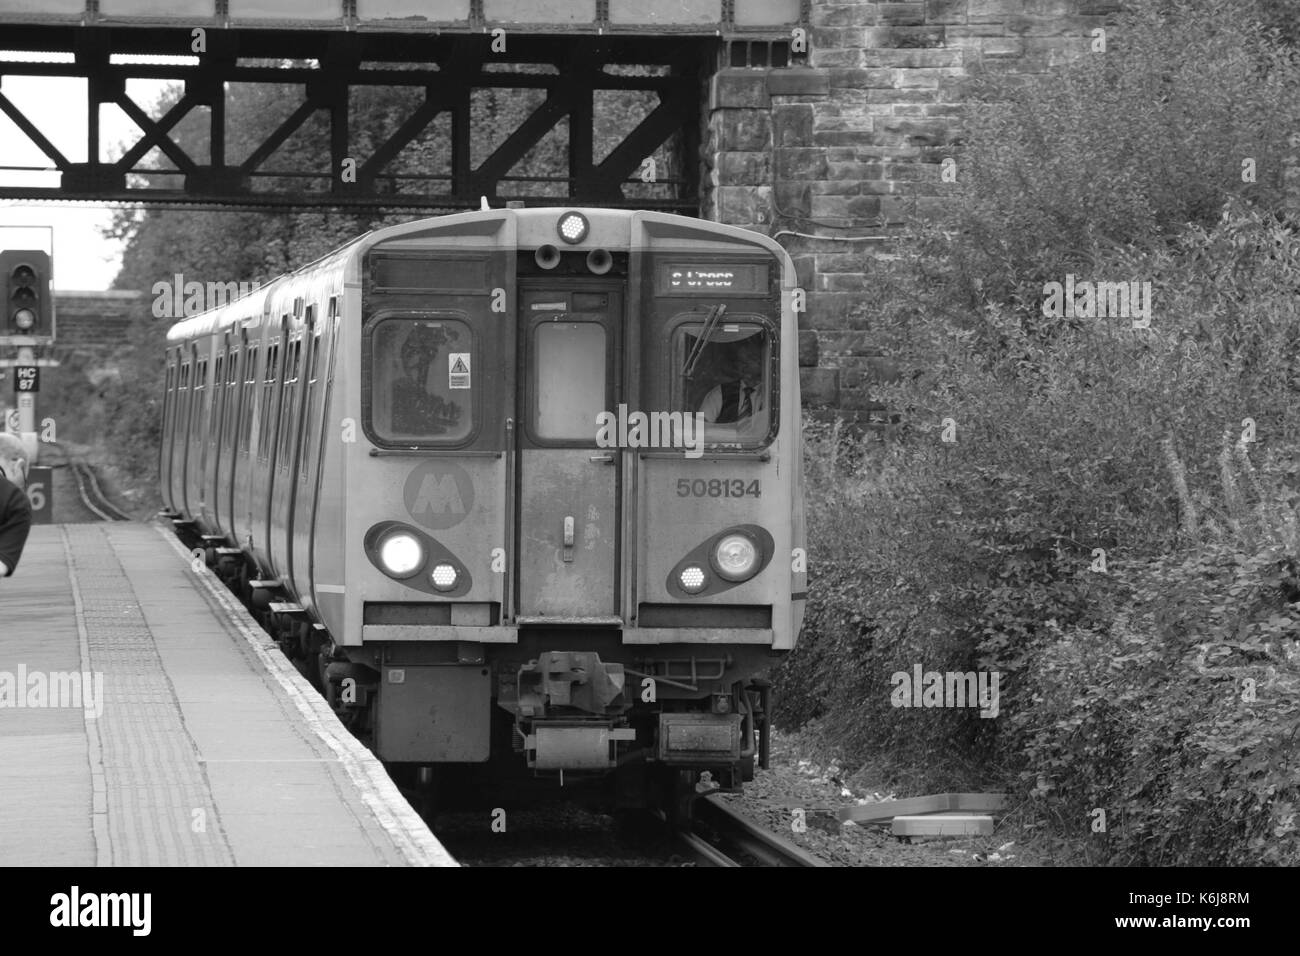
{"x": 421, "y": 273}
{"x": 749, "y": 278}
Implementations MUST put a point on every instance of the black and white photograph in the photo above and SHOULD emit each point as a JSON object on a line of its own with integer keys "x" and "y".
{"x": 649, "y": 434}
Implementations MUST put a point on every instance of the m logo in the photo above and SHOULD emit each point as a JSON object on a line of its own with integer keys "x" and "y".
{"x": 439, "y": 495}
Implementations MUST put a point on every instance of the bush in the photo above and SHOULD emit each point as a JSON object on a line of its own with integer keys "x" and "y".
{"x": 1121, "y": 148}
{"x": 1082, "y": 441}
{"x": 1179, "y": 716}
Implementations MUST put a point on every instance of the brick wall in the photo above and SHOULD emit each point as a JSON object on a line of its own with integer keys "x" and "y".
{"x": 93, "y": 325}
{"x": 832, "y": 157}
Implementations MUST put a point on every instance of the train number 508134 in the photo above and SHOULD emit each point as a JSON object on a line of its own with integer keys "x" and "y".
{"x": 716, "y": 488}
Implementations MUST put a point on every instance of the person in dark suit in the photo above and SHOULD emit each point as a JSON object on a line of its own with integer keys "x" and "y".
{"x": 15, "y": 509}
{"x": 738, "y": 399}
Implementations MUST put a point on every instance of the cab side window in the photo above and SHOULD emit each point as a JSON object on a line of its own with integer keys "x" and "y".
{"x": 724, "y": 374}
{"x": 422, "y": 377}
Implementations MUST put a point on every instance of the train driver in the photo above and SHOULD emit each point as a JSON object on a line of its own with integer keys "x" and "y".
{"x": 740, "y": 396}
{"x": 15, "y": 510}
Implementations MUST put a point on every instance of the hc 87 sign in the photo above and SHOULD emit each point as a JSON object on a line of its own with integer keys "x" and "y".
{"x": 27, "y": 378}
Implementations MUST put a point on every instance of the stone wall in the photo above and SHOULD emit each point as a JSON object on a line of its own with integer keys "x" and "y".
{"x": 832, "y": 156}
{"x": 92, "y": 325}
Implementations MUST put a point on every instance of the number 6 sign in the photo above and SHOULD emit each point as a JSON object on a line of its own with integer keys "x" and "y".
{"x": 40, "y": 493}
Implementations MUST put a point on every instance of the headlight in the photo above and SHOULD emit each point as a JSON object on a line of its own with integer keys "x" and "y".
{"x": 443, "y": 577}
{"x": 401, "y": 554}
{"x": 692, "y": 579}
{"x": 572, "y": 227}
{"x": 735, "y": 557}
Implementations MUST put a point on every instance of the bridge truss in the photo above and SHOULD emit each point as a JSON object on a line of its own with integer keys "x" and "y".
{"x": 324, "y": 71}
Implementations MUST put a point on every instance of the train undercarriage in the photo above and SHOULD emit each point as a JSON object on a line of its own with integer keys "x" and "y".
{"x": 563, "y": 714}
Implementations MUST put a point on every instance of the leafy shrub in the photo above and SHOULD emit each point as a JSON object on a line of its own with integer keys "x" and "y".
{"x": 1085, "y": 440}
{"x": 1179, "y": 716}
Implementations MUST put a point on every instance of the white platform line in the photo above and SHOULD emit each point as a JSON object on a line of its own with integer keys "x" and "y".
{"x": 94, "y": 748}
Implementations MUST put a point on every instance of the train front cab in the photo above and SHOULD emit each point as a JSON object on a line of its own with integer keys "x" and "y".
{"x": 538, "y": 567}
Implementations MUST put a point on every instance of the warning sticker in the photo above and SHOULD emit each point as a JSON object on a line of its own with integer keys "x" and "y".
{"x": 458, "y": 370}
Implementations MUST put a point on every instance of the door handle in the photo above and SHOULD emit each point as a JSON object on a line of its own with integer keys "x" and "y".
{"x": 566, "y": 553}
{"x": 607, "y": 458}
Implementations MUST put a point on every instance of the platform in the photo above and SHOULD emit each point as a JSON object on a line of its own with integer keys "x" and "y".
{"x": 207, "y": 747}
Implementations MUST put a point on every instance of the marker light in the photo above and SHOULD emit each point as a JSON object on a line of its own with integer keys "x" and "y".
{"x": 692, "y": 579}
{"x": 735, "y": 557}
{"x": 572, "y": 227}
{"x": 443, "y": 577}
{"x": 401, "y": 554}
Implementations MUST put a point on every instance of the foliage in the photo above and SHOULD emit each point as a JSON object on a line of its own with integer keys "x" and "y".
{"x": 1120, "y": 148}
{"x": 1082, "y": 440}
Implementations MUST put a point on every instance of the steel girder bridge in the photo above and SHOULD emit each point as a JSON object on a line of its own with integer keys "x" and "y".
{"x": 203, "y": 148}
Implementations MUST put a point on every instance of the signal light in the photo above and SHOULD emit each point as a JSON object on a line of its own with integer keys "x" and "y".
{"x": 572, "y": 227}
{"x": 735, "y": 557}
{"x": 444, "y": 577}
{"x": 692, "y": 579}
{"x": 401, "y": 554}
{"x": 27, "y": 296}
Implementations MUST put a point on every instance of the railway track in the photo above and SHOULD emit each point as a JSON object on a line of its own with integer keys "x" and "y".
{"x": 721, "y": 835}
{"x": 88, "y": 489}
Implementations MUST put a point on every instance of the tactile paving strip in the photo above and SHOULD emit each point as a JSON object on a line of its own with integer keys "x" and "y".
{"x": 159, "y": 809}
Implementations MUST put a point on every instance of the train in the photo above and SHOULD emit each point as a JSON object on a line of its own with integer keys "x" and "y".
{"x": 516, "y": 487}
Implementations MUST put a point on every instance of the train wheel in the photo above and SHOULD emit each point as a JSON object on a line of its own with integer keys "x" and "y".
{"x": 317, "y": 676}
{"x": 228, "y": 570}
{"x": 427, "y": 787}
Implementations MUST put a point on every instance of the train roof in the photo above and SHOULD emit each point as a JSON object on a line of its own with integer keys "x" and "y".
{"x": 528, "y": 224}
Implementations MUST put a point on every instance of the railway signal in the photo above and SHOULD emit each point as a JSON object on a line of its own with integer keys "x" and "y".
{"x": 29, "y": 308}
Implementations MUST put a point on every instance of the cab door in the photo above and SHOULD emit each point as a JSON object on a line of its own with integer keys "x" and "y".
{"x": 567, "y": 505}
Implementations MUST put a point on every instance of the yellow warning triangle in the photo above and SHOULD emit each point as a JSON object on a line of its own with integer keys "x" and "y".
{"x": 460, "y": 366}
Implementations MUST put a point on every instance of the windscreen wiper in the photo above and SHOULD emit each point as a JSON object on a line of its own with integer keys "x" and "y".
{"x": 710, "y": 326}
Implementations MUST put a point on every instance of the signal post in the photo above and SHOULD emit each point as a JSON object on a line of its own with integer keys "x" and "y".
{"x": 27, "y": 323}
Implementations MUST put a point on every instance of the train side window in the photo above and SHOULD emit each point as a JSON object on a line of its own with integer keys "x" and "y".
{"x": 421, "y": 380}
{"x": 201, "y": 399}
{"x": 726, "y": 376}
{"x": 218, "y": 390}
{"x": 232, "y": 397}
{"x": 169, "y": 401}
{"x": 569, "y": 380}
{"x": 293, "y": 357}
{"x": 268, "y": 393}
{"x": 183, "y": 416}
{"x": 193, "y": 397}
{"x": 308, "y": 429}
{"x": 246, "y": 405}
{"x": 315, "y": 357}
